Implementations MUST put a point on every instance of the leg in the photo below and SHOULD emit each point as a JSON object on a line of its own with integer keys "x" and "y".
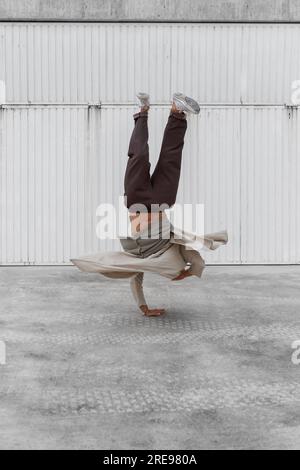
{"x": 165, "y": 178}
{"x": 137, "y": 183}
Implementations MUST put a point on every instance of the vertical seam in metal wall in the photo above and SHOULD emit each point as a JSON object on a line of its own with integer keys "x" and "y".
{"x": 1, "y": 178}
{"x": 241, "y": 154}
{"x": 240, "y": 195}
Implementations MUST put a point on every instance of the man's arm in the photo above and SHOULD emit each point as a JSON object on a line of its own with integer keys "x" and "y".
{"x": 136, "y": 284}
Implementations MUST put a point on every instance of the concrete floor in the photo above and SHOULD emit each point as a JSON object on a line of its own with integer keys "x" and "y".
{"x": 85, "y": 370}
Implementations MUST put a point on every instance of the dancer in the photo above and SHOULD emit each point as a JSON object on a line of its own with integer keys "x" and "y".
{"x": 155, "y": 245}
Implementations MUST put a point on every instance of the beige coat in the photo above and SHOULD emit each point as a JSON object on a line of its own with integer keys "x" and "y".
{"x": 186, "y": 248}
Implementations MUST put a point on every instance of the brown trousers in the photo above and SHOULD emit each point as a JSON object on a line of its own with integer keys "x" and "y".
{"x": 160, "y": 188}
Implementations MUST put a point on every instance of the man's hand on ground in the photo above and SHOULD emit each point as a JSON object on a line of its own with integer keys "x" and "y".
{"x": 152, "y": 312}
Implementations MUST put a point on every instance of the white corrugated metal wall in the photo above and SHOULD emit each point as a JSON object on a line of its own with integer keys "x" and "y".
{"x": 60, "y": 157}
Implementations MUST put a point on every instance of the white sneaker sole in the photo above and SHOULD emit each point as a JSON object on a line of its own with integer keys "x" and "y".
{"x": 144, "y": 99}
{"x": 186, "y": 103}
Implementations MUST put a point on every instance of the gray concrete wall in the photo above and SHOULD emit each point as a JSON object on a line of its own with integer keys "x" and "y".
{"x": 151, "y": 10}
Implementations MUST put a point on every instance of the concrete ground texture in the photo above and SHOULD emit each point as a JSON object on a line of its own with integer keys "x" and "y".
{"x": 85, "y": 370}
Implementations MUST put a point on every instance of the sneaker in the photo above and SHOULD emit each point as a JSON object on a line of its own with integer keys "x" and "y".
{"x": 144, "y": 100}
{"x": 186, "y": 104}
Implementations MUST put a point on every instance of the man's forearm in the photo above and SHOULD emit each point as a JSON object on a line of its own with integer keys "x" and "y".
{"x": 136, "y": 284}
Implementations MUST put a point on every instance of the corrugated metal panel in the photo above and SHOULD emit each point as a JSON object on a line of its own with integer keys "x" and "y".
{"x": 270, "y": 194}
{"x": 59, "y": 162}
{"x": 216, "y": 63}
{"x": 56, "y": 165}
{"x": 42, "y": 191}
